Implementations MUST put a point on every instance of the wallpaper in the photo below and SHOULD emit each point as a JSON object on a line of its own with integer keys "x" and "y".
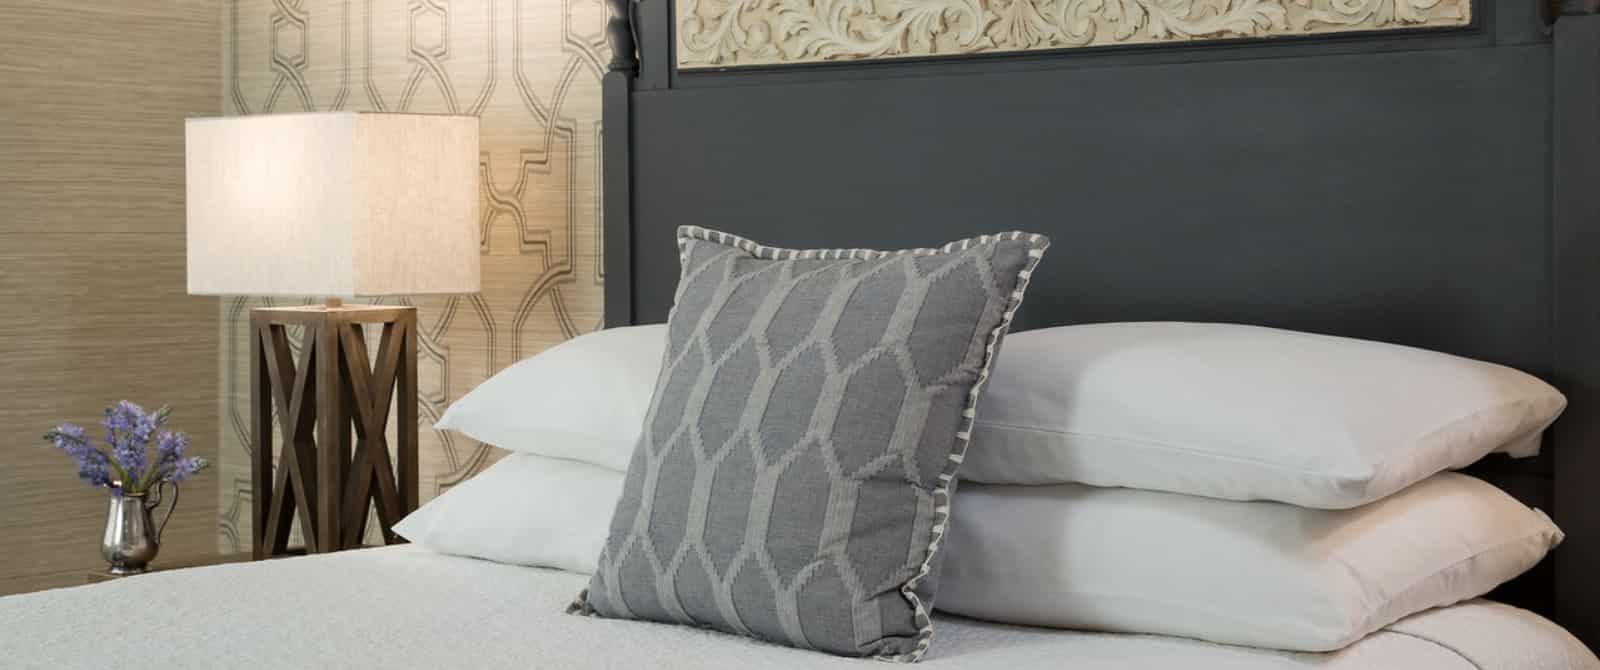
{"x": 530, "y": 69}
{"x": 92, "y": 102}
{"x": 725, "y": 33}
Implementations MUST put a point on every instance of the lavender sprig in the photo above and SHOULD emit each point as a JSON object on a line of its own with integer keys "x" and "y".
{"x": 93, "y": 466}
{"x": 129, "y": 431}
{"x": 171, "y": 463}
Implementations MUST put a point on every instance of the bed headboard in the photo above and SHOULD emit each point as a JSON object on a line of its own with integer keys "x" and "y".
{"x": 1437, "y": 189}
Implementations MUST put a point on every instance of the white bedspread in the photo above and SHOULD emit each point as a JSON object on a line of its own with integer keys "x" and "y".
{"x": 407, "y": 607}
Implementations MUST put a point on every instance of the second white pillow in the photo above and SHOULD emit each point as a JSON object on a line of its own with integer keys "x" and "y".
{"x": 523, "y": 510}
{"x": 1260, "y": 574}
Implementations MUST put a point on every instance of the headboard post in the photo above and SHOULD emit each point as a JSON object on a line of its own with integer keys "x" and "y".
{"x": 616, "y": 185}
{"x": 619, "y": 36}
{"x": 1576, "y": 188}
{"x": 616, "y": 134}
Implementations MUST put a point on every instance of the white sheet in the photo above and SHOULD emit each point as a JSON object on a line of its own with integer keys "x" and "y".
{"x": 407, "y": 607}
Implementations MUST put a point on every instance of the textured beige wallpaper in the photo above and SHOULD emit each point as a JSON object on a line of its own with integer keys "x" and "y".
{"x": 92, "y": 100}
{"x": 530, "y": 69}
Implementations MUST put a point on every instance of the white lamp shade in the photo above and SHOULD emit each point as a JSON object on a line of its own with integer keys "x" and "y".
{"x": 333, "y": 204}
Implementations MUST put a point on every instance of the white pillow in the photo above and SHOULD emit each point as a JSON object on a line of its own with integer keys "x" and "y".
{"x": 1244, "y": 413}
{"x": 1262, "y": 574}
{"x": 524, "y": 510}
{"x": 584, "y": 399}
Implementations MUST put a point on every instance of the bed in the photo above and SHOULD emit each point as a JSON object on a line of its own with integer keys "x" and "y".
{"x": 408, "y": 607}
{"x": 1433, "y": 190}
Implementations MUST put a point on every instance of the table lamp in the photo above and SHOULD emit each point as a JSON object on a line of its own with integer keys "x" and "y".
{"x": 332, "y": 204}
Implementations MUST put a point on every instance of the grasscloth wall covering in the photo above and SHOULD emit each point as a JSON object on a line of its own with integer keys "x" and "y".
{"x": 92, "y": 101}
{"x": 727, "y": 33}
{"x": 530, "y": 69}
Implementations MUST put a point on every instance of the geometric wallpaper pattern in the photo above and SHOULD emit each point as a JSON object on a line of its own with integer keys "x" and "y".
{"x": 530, "y": 70}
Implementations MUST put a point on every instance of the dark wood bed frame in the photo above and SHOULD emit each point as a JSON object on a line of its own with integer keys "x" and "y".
{"x": 1437, "y": 189}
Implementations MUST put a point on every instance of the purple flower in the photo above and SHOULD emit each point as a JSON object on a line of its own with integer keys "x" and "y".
{"x": 185, "y": 468}
{"x": 129, "y": 430}
{"x": 93, "y": 467}
{"x": 171, "y": 465}
{"x": 170, "y": 447}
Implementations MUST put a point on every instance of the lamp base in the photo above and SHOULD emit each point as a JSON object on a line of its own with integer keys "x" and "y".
{"x": 336, "y": 388}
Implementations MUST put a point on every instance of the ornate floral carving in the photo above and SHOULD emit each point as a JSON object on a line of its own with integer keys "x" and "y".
{"x": 731, "y": 33}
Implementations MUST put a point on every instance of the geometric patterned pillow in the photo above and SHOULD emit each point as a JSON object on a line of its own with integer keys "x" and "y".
{"x": 794, "y": 475}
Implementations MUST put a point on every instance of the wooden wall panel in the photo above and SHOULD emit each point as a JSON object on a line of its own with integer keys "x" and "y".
{"x": 530, "y": 70}
{"x": 92, "y": 101}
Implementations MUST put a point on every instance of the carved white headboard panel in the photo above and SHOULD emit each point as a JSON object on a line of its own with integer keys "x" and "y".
{"x": 732, "y": 33}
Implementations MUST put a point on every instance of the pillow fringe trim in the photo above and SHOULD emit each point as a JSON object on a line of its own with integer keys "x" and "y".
{"x": 941, "y": 493}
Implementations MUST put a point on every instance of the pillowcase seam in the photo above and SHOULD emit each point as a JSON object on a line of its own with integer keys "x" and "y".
{"x": 1003, "y": 426}
{"x": 1162, "y": 446}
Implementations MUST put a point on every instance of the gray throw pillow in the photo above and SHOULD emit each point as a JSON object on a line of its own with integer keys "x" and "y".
{"x": 794, "y": 477}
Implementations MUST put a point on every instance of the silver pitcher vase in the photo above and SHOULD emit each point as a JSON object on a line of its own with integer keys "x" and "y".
{"x": 132, "y": 538}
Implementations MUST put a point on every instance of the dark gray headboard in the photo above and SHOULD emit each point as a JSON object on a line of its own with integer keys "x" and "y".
{"x": 1440, "y": 190}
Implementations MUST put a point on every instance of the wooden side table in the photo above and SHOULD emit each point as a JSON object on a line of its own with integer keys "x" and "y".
{"x": 103, "y": 575}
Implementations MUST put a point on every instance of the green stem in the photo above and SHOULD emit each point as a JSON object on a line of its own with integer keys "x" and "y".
{"x": 122, "y": 475}
{"x": 150, "y": 479}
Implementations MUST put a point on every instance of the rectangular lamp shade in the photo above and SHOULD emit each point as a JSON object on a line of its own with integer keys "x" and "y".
{"x": 332, "y": 204}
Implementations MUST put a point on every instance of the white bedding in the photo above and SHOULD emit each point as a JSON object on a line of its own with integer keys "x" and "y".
{"x": 407, "y": 607}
